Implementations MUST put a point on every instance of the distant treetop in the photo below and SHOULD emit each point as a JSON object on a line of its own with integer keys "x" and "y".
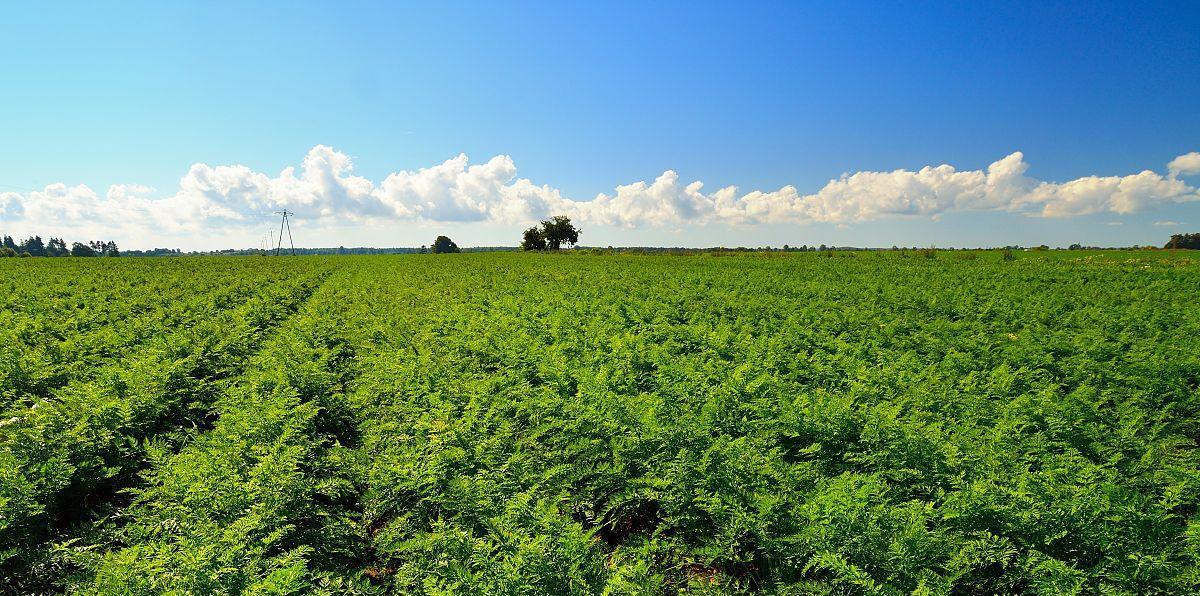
{"x": 552, "y": 234}
{"x": 1191, "y": 241}
{"x": 443, "y": 244}
{"x": 34, "y": 246}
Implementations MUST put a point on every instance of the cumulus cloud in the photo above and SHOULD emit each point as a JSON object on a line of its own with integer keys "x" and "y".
{"x": 1185, "y": 165}
{"x": 457, "y": 191}
{"x": 324, "y": 189}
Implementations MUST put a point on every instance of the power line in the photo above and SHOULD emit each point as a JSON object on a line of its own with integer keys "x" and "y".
{"x": 284, "y": 224}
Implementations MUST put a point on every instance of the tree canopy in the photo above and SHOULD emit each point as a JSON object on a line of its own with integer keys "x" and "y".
{"x": 34, "y": 246}
{"x": 558, "y": 231}
{"x": 1191, "y": 241}
{"x": 443, "y": 244}
{"x": 551, "y": 234}
{"x": 534, "y": 239}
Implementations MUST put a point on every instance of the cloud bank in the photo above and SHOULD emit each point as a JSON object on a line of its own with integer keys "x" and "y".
{"x": 325, "y": 190}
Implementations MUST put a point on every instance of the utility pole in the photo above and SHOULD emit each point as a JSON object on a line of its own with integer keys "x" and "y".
{"x": 284, "y": 224}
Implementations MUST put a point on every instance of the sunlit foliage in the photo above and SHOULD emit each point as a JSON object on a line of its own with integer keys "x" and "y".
{"x": 505, "y": 423}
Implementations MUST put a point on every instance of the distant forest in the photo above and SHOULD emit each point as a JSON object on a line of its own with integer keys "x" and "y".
{"x": 35, "y": 246}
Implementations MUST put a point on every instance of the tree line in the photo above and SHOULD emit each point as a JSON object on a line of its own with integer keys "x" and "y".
{"x": 550, "y": 234}
{"x": 1191, "y": 241}
{"x": 34, "y": 246}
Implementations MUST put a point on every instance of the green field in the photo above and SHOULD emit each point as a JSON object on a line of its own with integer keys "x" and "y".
{"x": 504, "y": 423}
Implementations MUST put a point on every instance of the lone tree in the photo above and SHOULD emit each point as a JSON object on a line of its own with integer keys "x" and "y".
{"x": 552, "y": 234}
{"x": 444, "y": 244}
{"x": 1191, "y": 241}
{"x": 559, "y": 231}
{"x": 534, "y": 240}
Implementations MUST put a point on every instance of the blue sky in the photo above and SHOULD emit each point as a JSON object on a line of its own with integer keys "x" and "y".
{"x": 583, "y": 99}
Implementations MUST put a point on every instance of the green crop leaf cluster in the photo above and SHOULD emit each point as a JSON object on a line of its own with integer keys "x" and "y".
{"x": 525, "y": 423}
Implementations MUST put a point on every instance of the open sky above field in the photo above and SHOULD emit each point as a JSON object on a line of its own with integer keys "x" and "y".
{"x": 187, "y": 125}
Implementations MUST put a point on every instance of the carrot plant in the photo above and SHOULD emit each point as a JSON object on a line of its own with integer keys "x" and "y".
{"x": 601, "y": 423}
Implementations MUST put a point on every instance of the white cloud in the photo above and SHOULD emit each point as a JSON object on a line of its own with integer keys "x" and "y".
{"x": 12, "y": 206}
{"x": 928, "y": 192}
{"x": 325, "y": 191}
{"x": 457, "y": 191}
{"x": 1185, "y": 165}
{"x": 1110, "y": 194}
{"x": 1168, "y": 224}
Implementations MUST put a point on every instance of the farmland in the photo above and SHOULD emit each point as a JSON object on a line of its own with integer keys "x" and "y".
{"x": 503, "y": 423}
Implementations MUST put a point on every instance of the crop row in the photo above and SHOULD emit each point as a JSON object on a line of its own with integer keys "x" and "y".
{"x": 265, "y": 501}
{"x": 64, "y": 323}
{"x": 68, "y": 456}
